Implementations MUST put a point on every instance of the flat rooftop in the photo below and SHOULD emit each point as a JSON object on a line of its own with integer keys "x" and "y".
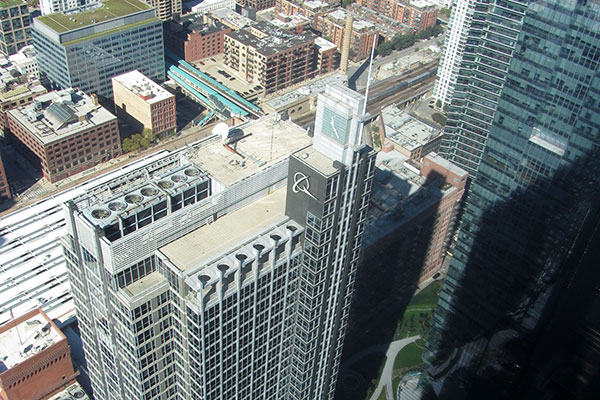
{"x": 226, "y": 232}
{"x": 405, "y": 130}
{"x": 317, "y": 160}
{"x": 73, "y": 391}
{"x": 231, "y": 18}
{"x": 103, "y": 11}
{"x": 56, "y": 115}
{"x": 26, "y": 340}
{"x": 265, "y": 142}
{"x": 143, "y": 87}
{"x": 312, "y": 88}
{"x": 146, "y": 282}
{"x": 274, "y": 41}
{"x": 10, "y": 3}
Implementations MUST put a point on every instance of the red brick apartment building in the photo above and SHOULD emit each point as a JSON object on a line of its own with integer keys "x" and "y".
{"x": 417, "y": 14}
{"x": 333, "y": 26}
{"x": 4, "y": 188}
{"x": 192, "y": 39}
{"x": 414, "y": 211}
{"x": 65, "y": 132}
{"x": 273, "y": 58}
{"x": 36, "y": 359}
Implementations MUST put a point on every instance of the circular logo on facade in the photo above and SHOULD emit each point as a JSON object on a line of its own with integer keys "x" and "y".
{"x": 302, "y": 184}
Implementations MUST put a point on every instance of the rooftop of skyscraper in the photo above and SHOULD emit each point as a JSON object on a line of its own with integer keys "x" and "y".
{"x": 91, "y": 14}
{"x": 215, "y": 238}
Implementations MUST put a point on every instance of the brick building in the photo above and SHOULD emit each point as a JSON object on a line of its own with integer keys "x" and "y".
{"x": 35, "y": 357}
{"x": 144, "y": 104}
{"x": 17, "y": 93}
{"x": 272, "y": 58}
{"x": 400, "y": 131}
{"x": 332, "y": 26}
{"x": 257, "y": 4}
{"x": 412, "y": 220}
{"x": 4, "y": 188}
{"x": 166, "y": 9}
{"x": 65, "y": 132}
{"x": 417, "y": 14}
{"x": 192, "y": 39}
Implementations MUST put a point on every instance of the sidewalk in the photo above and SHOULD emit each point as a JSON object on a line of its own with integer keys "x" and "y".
{"x": 385, "y": 381}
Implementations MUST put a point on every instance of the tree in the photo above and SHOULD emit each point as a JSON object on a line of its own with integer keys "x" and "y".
{"x": 385, "y": 48}
{"x": 130, "y": 145}
{"x": 438, "y": 103}
{"x": 346, "y": 3}
{"x": 445, "y": 11}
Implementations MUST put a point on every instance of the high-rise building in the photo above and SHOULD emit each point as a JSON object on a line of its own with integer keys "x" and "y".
{"x": 454, "y": 44}
{"x": 537, "y": 121}
{"x": 54, "y": 6}
{"x": 166, "y": 9}
{"x": 489, "y": 38}
{"x": 85, "y": 49}
{"x": 15, "y": 26}
{"x": 225, "y": 270}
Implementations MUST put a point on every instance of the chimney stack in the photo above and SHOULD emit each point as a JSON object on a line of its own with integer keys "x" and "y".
{"x": 346, "y": 44}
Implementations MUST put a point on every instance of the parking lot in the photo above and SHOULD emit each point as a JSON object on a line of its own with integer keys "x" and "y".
{"x": 216, "y": 69}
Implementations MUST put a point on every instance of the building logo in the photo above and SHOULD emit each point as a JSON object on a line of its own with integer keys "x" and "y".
{"x": 302, "y": 184}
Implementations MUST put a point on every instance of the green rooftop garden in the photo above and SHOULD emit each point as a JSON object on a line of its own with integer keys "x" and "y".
{"x": 10, "y": 3}
{"x": 110, "y": 9}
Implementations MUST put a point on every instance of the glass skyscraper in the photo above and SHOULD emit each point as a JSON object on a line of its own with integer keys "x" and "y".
{"x": 525, "y": 122}
{"x": 85, "y": 49}
{"x": 489, "y": 44}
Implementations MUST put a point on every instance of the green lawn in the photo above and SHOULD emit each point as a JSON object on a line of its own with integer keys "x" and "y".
{"x": 382, "y": 396}
{"x": 427, "y": 296}
{"x": 409, "y": 357}
{"x": 110, "y": 9}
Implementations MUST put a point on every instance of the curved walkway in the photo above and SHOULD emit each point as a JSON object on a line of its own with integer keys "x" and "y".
{"x": 385, "y": 381}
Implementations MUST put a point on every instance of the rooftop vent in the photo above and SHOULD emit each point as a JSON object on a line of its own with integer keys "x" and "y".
{"x": 165, "y": 184}
{"x": 117, "y": 205}
{"x": 134, "y": 198}
{"x": 178, "y": 178}
{"x": 149, "y": 191}
{"x": 100, "y": 213}
{"x": 192, "y": 172}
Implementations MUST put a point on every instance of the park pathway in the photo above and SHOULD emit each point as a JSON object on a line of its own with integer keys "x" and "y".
{"x": 385, "y": 381}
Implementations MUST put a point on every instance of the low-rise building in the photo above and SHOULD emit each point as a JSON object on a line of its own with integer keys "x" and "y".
{"x": 192, "y": 39}
{"x": 228, "y": 18}
{"x": 400, "y": 131}
{"x": 413, "y": 211}
{"x": 144, "y": 104}
{"x": 333, "y": 26}
{"x": 25, "y": 62}
{"x": 16, "y": 90}
{"x": 273, "y": 58}
{"x": 417, "y": 14}
{"x": 35, "y": 359}
{"x": 65, "y": 132}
